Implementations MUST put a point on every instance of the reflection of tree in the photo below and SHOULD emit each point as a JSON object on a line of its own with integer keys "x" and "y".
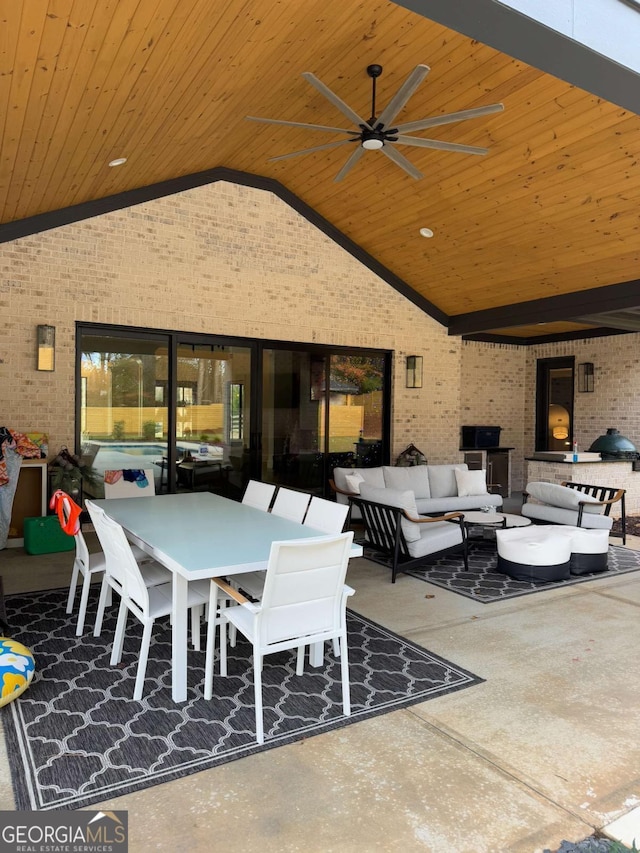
{"x": 128, "y": 380}
{"x": 364, "y": 372}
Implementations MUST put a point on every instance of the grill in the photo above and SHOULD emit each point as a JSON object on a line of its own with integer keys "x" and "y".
{"x": 614, "y": 446}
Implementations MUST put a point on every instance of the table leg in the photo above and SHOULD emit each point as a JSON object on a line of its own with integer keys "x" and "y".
{"x": 179, "y": 639}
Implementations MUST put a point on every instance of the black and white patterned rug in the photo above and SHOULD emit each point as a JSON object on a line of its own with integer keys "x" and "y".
{"x": 484, "y": 584}
{"x": 76, "y": 737}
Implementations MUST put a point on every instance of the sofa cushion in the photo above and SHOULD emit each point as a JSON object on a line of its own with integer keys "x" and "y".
{"x": 435, "y": 537}
{"x": 471, "y": 483}
{"x": 442, "y": 479}
{"x": 557, "y": 515}
{"x": 439, "y": 506}
{"x": 562, "y": 496}
{"x": 414, "y": 477}
{"x": 394, "y": 497}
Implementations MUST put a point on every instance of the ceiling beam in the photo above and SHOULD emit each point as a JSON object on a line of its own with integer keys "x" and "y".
{"x": 568, "y": 306}
{"x": 519, "y": 36}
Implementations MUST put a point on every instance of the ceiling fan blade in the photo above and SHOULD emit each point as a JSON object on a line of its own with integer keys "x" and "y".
{"x": 309, "y": 150}
{"x": 303, "y": 124}
{"x": 440, "y": 146}
{"x": 463, "y": 115}
{"x": 351, "y": 162}
{"x": 403, "y": 94}
{"x": 400, "y": 160}
{"x": 345, "y": 109}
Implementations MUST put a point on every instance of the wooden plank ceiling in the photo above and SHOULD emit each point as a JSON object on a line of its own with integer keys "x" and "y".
{"x": 551, "y": 210}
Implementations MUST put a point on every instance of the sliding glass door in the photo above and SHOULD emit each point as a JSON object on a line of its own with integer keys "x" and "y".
{"x": 213, "y": 417}
{"x": 320, "y": 410}
{"x": 356, "y": 410}
{"x": 123, "y": 422}
{"x": 197, "y": 412}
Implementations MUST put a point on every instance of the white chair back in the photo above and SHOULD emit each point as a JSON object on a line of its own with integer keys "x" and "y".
{"x": 135, "y": 483}
{"x": 327, "y": 516}
{"x": 290, "y": 504}
{"x": 303, "y": 588}
{"x": 120, "y": 564}
{"x": 258, "y": 495}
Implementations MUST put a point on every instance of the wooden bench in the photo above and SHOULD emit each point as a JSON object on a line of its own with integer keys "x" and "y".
{"x": 384, "y": 535}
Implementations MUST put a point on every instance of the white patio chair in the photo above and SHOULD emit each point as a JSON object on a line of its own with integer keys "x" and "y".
{"x": 258, "y": 495}
{"x": 85, "y": 564}
{"x": 290, "y": 504}
{"x": 327, "y": 516}
{"x": 123, "y": 575}
{"x": 116, "y": 486}
{"x": 303, "y": 602}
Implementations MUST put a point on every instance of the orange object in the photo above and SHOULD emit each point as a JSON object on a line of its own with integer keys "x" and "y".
{"x": 68, "y": 511}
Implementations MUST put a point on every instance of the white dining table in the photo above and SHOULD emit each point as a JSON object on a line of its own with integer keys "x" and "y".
{"x": 201, "y": 535}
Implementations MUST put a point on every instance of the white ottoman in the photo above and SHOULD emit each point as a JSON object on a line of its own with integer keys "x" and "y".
{"x": 589, "y": 549}
{"x": 534, "y": 554}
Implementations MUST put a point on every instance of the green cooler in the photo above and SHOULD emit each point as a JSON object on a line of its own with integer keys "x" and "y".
{"x": 44, "y": 535}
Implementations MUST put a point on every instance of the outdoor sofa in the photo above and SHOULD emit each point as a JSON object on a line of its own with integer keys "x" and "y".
{"x": 437, "y": 489}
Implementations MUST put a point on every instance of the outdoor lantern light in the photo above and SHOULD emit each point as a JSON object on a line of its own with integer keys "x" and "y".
{"x": 585, "y": 376}
{"x": 414, "y": 371}
{"x": 46, "y": 348}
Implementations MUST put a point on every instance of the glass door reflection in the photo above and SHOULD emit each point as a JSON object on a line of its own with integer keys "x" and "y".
{"x": 123, "y": 422}
{"x": 212, "y": 418}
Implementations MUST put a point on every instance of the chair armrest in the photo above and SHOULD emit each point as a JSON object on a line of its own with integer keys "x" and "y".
{"x": 601, "y": 503}
{"x": 235, "y": 594}
{"x": 422, "y": 519}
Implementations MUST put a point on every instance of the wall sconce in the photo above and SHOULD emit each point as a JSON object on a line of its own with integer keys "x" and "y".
{"x": 414, "y": 371}
{"x": 46, "y": 348}
{"x": 585, "y": 376}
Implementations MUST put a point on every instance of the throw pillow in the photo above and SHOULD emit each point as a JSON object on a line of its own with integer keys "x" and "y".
{"x": 471, "y": 483}
{"x": 353, "y": 483}
{"x": 394, "y": 497}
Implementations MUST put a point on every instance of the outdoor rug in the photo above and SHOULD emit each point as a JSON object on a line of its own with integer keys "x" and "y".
{"x": 484, "y": 584}
{"x": 76, "y": 737}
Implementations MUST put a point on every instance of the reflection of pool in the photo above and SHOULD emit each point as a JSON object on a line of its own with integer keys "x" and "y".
{"x": 111, "y": 457}
{"x": 138, "y": 449}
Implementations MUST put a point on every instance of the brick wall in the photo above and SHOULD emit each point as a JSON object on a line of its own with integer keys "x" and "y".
{"x": 493, "y": 392}
{"x": 221, "y": 259}
{"x": 614, "y": 401}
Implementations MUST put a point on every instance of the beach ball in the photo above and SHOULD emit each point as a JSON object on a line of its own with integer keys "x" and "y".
{"x": 16, "y": 669}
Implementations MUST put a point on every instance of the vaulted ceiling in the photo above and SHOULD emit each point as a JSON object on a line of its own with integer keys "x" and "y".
{"x": 537, "y": 238}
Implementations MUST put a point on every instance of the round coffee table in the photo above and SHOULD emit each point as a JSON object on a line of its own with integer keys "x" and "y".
{"x": 486, "y": 523}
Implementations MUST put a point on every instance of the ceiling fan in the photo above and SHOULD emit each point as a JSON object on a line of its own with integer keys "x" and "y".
{"x": 379, "y": 133}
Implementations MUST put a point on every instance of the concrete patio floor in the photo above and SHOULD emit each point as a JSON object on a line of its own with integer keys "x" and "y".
{"x": 544, "y": 750}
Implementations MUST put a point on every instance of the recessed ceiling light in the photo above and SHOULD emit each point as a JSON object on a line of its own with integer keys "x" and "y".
{"x": 119, "y": 161}
{"x": 426, "y": 232}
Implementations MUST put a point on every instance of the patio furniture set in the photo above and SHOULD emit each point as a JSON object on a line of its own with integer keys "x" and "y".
{"x": 171, "y": 555}
{"x": 401, "y": 530}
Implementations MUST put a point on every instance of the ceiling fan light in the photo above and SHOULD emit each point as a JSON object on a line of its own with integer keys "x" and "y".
{"x": 372, "y": 144}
